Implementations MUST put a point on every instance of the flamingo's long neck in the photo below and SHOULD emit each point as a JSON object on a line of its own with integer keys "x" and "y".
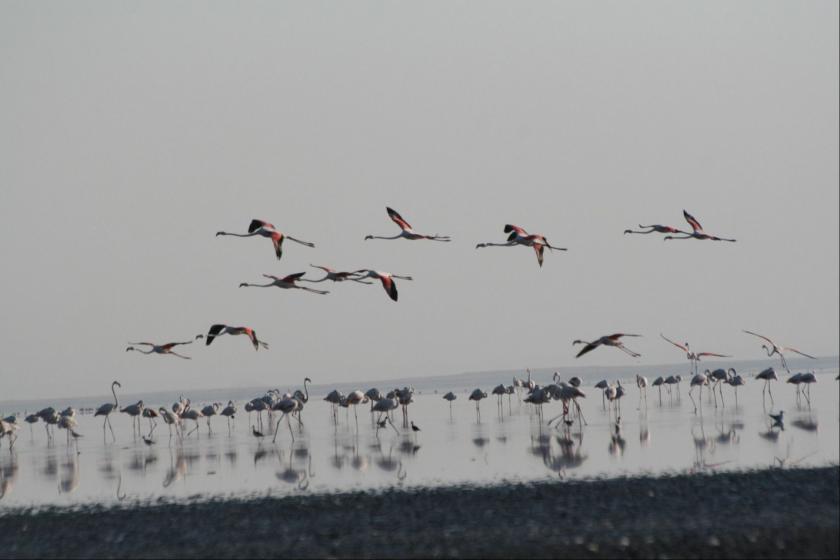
{"x": 114, "y": 392}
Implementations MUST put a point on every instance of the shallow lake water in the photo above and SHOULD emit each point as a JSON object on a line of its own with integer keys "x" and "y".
{"x": 509, "y": 442}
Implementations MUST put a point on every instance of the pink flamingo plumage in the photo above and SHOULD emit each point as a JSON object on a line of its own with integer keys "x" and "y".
{"x": 407, "y": 231}
{"x": 265, "y": 229}
{"x": 518, "y": 236}
{"x": 697, "y": 232}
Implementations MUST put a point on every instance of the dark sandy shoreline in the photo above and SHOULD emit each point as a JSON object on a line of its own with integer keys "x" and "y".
{"x": 770, "y": 513}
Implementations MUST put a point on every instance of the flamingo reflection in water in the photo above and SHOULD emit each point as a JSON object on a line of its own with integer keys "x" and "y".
{"x": 389, "y": 464}
{"x": 8, "y": 475}
{"x": 70, "y": 477}
{"x": 291, "y": 475}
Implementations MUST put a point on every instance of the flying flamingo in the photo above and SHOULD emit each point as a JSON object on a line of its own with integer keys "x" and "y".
{"x": 264, "y": 229}
{"x": 698, "y": 231}
{"x": 286, "y": 283}
{"x": 692, "y": 357}
{"x": 407, "y": 232}
{"x": 518, "y": 236}
{"x": 780, "y": 350}
{"x": 334, "y": 275}
{"x": 106, "y": 410}
{"x": 159, "y": 348}
{"x": 386, "y": 278}
{"x": 219, "y": 329}
{"x": 610, "y": 340}
{"x": 654, "y": 228}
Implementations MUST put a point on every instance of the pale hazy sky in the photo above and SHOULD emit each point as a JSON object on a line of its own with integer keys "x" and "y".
{"x": 130, "y": 132}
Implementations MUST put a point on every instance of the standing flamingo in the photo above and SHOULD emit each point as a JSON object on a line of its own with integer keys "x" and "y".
{"x": 476, "y": 396}
{"x": 735, "y": 381}
{"x": 450, "y": 396}
{"x": 699, "y": 380}
{"x": 407, "y": 232}
{"x": 220, "y": 329}
{"x": 286, "y": 283}
{"x": 642, "y": 383}
{"x": 693, "y": 357}
{"x": 264, "y": 229}
{"x": 807, "y": 379}
{"x": 780, "y": 350}
{"x": 698, "y": 232}
{"x": 518, "y": 236}
{"x": 159, "y": 348}
{"x": 603, "y": 385}
{"x": 229, "y": 412}
{"x": 171, "y": 419}
{"x": 134, "y": 410}
{"x": 286, "y": 406}
{"x": 767, "y": 376}
{"x": 658, "y": 382}
{"x": 106, "y": 410}
{"x": 609, "y": 340}
{"x": 386, "y": 278}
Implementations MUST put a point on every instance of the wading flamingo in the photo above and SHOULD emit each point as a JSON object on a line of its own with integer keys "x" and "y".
{"x": 106, "y": 410}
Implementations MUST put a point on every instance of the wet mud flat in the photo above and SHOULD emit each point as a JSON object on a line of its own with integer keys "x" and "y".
{"x": 768, "y": 513}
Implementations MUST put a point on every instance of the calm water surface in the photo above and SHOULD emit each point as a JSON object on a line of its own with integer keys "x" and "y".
{"x": 454, "y": 447}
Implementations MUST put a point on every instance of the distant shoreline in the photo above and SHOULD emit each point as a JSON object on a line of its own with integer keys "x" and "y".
{"x": 776, "y": 513}
{"x": 471, "y": 379}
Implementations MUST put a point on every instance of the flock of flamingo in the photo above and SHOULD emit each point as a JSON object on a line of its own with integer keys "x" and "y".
{"x": 290, "y": 405}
